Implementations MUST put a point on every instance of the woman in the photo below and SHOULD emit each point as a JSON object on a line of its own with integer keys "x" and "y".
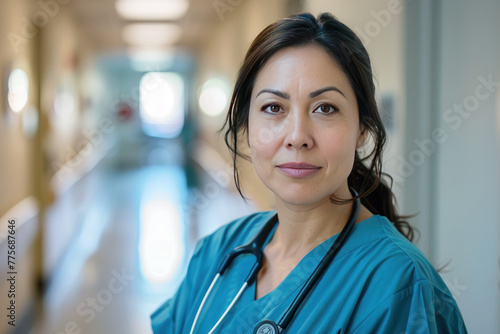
{"x": 304, "y": 102}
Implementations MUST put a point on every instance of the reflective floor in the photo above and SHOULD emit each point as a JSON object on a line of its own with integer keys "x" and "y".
{"x": 133, "y": 246}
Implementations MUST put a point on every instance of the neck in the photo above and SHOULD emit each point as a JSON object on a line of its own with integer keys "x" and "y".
{"x": 302, "y": 228}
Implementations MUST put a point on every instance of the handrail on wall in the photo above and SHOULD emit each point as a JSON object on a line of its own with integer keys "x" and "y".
{"x": 21, "y": 212}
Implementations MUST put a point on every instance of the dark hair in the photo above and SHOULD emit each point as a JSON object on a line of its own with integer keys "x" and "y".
{"x": 346, "y": 48}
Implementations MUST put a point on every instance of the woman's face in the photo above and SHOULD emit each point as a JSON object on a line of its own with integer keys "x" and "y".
{"x": 303, "y": 126}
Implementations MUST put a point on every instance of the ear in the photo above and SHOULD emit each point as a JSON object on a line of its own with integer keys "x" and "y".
{"x": 362, "y": 137}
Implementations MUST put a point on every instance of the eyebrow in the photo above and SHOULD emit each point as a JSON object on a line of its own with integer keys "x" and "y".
{"x": 326, "y": 89}
{"x": 275, "y": 92}
{"x": 311, "y": 95}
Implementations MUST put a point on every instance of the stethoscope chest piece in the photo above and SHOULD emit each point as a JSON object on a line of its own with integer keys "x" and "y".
{"x": 266, "y": 327}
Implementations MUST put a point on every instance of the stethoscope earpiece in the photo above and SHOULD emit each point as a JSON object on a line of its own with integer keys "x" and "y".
{"x": 267, "y": 327}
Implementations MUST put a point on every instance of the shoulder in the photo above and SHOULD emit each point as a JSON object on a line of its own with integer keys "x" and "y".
{"x": 396, "y": 275}
{"x": 379, "y": 242}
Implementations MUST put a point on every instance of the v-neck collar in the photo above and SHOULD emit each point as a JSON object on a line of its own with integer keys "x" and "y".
{"x": 248, "y": 311}
{"x": 287, "y": 289}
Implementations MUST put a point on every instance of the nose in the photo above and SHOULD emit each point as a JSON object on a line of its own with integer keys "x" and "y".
{"x": 299, "y": 132}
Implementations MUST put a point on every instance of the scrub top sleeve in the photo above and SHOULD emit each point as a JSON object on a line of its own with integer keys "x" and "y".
{"x": 171, "y": 316}
{"x": 421, "y": 308}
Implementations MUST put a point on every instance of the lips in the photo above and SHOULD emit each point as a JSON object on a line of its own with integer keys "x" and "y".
{"x": 298, "y": 169}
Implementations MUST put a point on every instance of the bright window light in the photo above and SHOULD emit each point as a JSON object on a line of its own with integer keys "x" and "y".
{"x": 151, "y": 9}
{"x": 213, "y": 98}
{"x": 18, "y": 90}
{"x": 160, "y": 246}
{"x": 151, "y": 34}
{"x": 162, "y": 104}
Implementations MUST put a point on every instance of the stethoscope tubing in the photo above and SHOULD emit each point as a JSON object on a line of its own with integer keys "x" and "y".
{"x": 320, "y": 269}
{"x": 255, "y": 248}
{"x": 230, "y": 307}
{"x": 204, "y": 300}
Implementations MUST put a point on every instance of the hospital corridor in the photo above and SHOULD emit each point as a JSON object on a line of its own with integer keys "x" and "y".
{"x": 132, "y": 245}
{"x": 114, "y": 163}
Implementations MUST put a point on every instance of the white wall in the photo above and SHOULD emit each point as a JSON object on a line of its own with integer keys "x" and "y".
{"x": 468, "y": 183}
{"x": 452, "y": 48}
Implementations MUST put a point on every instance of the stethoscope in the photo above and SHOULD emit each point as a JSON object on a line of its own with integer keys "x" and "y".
{"x": 255, "y": 247}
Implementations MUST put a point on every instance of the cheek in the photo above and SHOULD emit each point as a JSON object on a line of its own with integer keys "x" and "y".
{"x": 261, "y": 138}
{"x": 254, "y": 143}
{"x": 339, "y": 147}
{"x": 263, "y": 148}
{"x": 259, "y": 150}
{"x": 261, "y": 159}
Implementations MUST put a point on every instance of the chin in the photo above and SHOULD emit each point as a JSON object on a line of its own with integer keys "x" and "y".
{"x": 297, "y": 198}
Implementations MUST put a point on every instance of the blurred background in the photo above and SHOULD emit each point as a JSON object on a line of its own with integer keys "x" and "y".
{"x": 112, "y": 168}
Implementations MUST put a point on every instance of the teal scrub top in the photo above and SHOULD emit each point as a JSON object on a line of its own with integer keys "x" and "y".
{"x": 379, "y": 282}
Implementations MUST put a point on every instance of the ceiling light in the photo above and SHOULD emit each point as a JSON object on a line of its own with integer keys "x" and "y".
{"x": 151, "y": 34}
{"x": 214, "y": 97}
{"x": 151, "y": 9}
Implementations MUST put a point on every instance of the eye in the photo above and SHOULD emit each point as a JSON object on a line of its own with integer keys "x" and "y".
{"x": 326, "y": 109}
{"x": 272, "y": 108}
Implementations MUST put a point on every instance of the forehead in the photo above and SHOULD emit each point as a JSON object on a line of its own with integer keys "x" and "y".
{"x": 302, "y": 68}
